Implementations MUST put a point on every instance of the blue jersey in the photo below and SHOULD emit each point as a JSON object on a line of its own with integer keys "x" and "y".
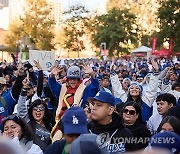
{"x": 5, "y": 111}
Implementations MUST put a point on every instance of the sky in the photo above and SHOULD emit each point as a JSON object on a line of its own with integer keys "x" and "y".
{"x": 90, "y": 4}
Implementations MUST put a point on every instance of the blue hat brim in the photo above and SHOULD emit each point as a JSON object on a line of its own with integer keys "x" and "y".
{"x": 91, "y": 99}
{"x": 75, "y": 129}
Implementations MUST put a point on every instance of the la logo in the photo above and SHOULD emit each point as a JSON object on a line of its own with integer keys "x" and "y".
{"x": 98, "y": 94}
{"x": 75, "y": 120}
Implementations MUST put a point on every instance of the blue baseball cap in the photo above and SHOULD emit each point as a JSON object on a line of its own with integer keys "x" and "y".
{"x": 104, "y": 97}
{"x": 87, "y": 144}
{"x": 166, "y": 140}
{"x": 75, "y": 121}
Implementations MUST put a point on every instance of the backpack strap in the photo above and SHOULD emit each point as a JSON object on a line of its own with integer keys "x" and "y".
{"x": 3, "y": 103}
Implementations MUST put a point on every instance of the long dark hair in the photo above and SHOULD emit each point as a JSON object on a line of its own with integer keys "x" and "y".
{"x": 173, "y": 121}
{"x": 47, "y": 115}
{"x": 137, "y": 108}
{"x": 26, "y": 130}
{"x": 138, "y": 99}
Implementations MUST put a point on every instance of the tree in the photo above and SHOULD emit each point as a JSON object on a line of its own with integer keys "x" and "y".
{"x": 35, "y": 23}
{"x": 169, "y": 15}
{"x": 117, "y": 29}
{"x": 38, "y": 23}
{"x": 145, "y": 11}
{"x": 74, "y": 29}
{"x": 15, "y": 33}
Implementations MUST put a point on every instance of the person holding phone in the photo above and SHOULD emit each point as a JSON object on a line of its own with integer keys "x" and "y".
{"x": 36, "y": 114}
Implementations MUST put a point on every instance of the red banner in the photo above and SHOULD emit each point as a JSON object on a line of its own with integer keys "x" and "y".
{"x": 154, "y": 44}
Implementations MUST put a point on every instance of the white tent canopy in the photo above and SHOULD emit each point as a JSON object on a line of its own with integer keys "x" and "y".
{"x": 141, "y": 49}
{"x": 144, "y": 50}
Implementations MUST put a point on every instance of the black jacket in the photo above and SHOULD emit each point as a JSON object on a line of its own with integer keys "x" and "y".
{"x": 56, "y": 148}
{"x": 114, "y": 135}
{"x": 174, "y": 111}
{"x": 141, "y": 134}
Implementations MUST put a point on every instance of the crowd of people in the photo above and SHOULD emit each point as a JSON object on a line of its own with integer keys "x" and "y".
{"x": 90, "y": 107}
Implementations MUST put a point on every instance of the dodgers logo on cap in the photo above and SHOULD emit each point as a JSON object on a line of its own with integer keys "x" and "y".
{"x": 75, "y": 120}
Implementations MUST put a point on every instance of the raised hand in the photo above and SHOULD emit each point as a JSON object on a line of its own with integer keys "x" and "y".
{"x": 4, "y": 135}
{"x": 56, "y": 70}
{"x": 25, "y": 82}
{"x": 154, "y": 65}
{"x": 169, "y": 72}
{"x": 3, "y": 65}
{"x": 20, "y": 69}
{"x": 16, "y": 133}
{"x": 113, "y": 67}
{"x": 87, "y": 69}
{"x": 37, "y": 65}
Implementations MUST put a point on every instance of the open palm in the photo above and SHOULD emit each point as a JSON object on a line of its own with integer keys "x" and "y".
{"x": 56, "y": 70}
{"x": 87, "y": 69}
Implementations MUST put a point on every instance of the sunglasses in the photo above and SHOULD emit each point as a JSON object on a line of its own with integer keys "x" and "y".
{"x": 39, "y": 108}
{"x": 131, "y": 112}
{"x": 10, "y": 117}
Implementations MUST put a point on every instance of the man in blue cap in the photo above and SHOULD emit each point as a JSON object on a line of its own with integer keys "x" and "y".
{"x": 108, "y": 125}
{"x": 73, "y": 123}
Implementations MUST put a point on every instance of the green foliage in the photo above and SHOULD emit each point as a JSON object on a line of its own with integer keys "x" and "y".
{"x": 74, "y": 29}
{"x": 145, "y": 11}
{"x": 118, "y": 29}
{"x": 146, "y": 40}
{"x": 169, "y": 15}
{"x": 14, "y": 34}
{"x": 36, "y": 23}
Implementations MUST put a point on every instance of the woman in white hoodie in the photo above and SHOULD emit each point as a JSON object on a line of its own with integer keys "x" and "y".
{"x": 17, "y": 129}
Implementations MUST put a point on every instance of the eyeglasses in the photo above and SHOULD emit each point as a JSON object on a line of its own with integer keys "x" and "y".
{"x": 131, "y": 112}
{"x": 10, "y": 117}
{"x": 39, "y": 108}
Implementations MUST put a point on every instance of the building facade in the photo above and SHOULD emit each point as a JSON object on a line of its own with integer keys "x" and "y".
{"x": 4, "y": 3}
